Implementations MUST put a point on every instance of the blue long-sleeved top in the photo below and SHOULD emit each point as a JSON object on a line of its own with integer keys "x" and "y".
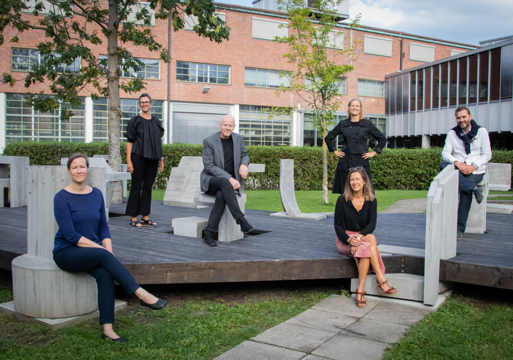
{"x": 79, "y": 215}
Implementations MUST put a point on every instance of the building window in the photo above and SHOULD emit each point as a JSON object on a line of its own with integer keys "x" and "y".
{"x": 377, "y": 46}
{"x": 341, "y": 85}
{"x": 129, "y": 109}
{"x": 335, "y": 40}
{"x": 507, "y": 72}
{"x": 149, "y": 70}
{"x": 136, "y": 8}
{"x": 23, "y": 123}
{"x": 454, "y": 82}
{"x": 483, "y": 76}
{"x": 258, "y": 129}
{"x": 495, "y": 74}
{"x": 456, "y": 52}
{"x": 25, "y": 59}
{"x": 419, "y": 52}
{"x": 313, "y": 137}
{"x": 463, "y": 81}
{"x": 189, "y": 21}
{"x": 268, "y": 29}
{"x": 202, "y": 73}
{"x": 372, "y": 88}
{"x": 264, "y": 78}
{"x": 473, "y": 72}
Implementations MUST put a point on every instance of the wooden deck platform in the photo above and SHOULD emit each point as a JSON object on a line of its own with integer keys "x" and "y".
{"x": 292, "y": 249}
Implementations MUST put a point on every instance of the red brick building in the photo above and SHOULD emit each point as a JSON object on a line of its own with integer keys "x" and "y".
{"x": 208, "y": 80}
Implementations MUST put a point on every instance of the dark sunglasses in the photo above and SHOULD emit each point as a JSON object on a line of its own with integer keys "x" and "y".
{"x": 355, "y": 169}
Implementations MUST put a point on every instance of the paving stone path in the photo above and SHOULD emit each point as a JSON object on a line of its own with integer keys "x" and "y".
{"x": 334, "y": 329}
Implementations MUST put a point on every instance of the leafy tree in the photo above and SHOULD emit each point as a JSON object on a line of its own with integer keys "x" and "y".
{"x": 317, "y": 48}
{"x": 72, "y": 29}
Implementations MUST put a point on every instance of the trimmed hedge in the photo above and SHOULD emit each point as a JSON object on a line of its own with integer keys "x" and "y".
{"x": 404, "y": 169}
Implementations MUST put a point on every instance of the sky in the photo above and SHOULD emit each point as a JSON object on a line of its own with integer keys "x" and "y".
{"x": 463, "y": 21}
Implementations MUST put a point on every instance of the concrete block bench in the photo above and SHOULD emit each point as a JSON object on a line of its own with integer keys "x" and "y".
{"x": 476, "y": 223}
{"x": 191, "y": 226}
{"x": 15, "y": 169}
{"x": 229, "y": 230}
{"x": 4, "y": 183}
{"x": 499, "y": 175}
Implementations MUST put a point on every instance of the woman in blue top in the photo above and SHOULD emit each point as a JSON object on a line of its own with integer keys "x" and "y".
{"x": 83, "y": 243}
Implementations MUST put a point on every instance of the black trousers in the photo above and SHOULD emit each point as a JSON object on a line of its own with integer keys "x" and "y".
{"x": 105, "y": 268}
{"x": 342, "y": 172}
{"x": 466, "y": 184}
{"x": 225, "y": 195}
{"x": 143, "y": 177}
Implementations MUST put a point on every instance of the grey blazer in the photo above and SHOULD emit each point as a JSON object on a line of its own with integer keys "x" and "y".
{"x": 213, "y": 159}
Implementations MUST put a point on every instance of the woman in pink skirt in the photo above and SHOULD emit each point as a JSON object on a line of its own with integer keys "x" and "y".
{"x": 355, "y": 220}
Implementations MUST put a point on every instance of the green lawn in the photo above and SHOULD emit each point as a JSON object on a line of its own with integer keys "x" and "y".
{"x": 459, "y": 330}
{"x": 311, "y": 201}
{"x": 187, "y": 330}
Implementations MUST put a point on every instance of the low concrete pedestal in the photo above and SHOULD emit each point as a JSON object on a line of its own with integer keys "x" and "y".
{"x": 191, "y": 226}
{"x": 229, "y": 230}
{"x": 55, "y": 324}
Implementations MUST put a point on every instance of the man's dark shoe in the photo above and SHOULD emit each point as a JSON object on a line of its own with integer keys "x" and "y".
{"x": 478, "y": 193}
{"x": 244, "y": 226}
{"x": 459, "y": 235}
{"x": 208, "y": 239}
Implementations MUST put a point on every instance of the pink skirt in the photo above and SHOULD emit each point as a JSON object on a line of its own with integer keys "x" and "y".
{"x": 364, "y": 251}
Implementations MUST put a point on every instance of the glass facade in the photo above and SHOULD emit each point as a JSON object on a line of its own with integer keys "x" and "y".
{"x": 129, "y": 108}
{"x": 484, "y": 77}
{"x": 23, "y": 123}
{"x": 372, "y": 88}
{"x": 149, "y": 70}
{"x": 258, "y": 129}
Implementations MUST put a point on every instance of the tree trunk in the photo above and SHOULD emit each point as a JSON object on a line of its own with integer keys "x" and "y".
{"x": 325, "y": 198}
{"x": 113, "y": 74}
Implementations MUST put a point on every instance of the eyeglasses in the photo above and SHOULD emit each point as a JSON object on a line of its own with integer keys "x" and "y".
{"x": 355, "y": 169}
{"x": 144, "y": 102}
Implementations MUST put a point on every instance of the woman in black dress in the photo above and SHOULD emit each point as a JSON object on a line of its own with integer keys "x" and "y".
{"x": 355, "y": 131}
{"x": 143, "y": 157}
{"x": 355, "y": 220}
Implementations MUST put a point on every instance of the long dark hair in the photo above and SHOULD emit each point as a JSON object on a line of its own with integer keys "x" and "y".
{"x": 368, "y": 192}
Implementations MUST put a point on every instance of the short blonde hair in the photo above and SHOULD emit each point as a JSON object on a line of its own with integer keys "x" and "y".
{"x": 362, "y": 114}
{"x": 368, "y": 192}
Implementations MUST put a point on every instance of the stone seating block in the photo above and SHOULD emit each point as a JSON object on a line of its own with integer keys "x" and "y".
{"x": 441, "y": 220}
{"x": 191, "y": 226}
{"x": 42, "y": 290}
{"x": 476, "y": 223}
{"x": 499, "y": 176}
{"x": 229, "y": 230}
{"x": 15, "y": 168}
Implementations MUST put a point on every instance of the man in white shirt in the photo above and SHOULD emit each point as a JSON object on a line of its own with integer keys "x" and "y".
{"x": 467, "y": 147}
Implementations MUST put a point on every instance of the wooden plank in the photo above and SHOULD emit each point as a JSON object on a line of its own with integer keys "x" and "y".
{"x": 492, "y": 276}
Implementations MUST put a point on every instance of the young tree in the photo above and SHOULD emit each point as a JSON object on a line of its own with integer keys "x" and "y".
{"x": 317, "y": 48}
{"x": 69, "y": 29}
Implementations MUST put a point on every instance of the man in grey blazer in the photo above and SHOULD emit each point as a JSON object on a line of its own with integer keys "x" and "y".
{"x": 225, "y": 166}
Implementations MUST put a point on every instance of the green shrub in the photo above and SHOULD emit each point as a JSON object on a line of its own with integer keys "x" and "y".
{"x": 403, "y": 169}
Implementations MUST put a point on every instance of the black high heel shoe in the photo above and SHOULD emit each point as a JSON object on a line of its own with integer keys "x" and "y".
{"x": 119, "y": 339}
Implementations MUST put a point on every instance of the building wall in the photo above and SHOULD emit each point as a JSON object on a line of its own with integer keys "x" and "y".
{"x": 239, "y": 52}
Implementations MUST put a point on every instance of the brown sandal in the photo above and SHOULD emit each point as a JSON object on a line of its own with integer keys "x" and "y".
{"x": 389, "y": 291}
{"x": 360, "y": 303}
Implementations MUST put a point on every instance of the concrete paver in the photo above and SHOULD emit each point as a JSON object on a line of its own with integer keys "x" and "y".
{"x": 382, "y": 331}
{"x": 407, "y": 206}
{"x": 322, "y": 320}
{"x": 397, "y": 314}
{"x": 250, "y": 350}
{"x": 343, "y": 347}
{"x": 295, "y": 337}
{"x": 346, "y": 306}
{"x": 336, "y": 328}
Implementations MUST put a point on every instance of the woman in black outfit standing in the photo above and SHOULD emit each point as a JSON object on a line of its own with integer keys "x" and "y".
{"x": 143, "y": 157}
{"x": 355, "y": 131}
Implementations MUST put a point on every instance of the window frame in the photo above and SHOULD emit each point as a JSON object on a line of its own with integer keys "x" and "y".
{"x": 207, "y": 76}
{"x": 39, "y": 61}
{"x": 267, "y": 78}
{"x": 376, "y": 81}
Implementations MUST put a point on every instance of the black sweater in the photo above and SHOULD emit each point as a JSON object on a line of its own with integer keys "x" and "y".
{"x": 356, "y": 135}
{"x": 347, "y": 218}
